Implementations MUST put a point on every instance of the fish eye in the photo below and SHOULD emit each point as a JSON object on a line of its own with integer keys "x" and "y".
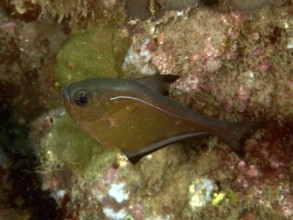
{"x": 82, "y": 98}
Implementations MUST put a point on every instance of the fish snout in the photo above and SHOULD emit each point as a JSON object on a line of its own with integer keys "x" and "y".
{"x": 65, "y": 95}
{"x": 66, "y": 99}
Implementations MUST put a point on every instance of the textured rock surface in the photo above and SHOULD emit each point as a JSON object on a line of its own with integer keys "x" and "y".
{"x": 232, "y": 65}
{"x": 97, "y": 52}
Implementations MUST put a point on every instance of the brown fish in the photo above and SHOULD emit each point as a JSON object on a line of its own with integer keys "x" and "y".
{"x": 135, "y": 116}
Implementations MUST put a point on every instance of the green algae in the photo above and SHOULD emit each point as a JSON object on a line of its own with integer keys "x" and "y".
{"x": 96, "y": 52}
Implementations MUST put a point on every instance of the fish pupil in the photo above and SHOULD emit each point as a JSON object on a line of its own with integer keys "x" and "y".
{"x": 82, "y": 99}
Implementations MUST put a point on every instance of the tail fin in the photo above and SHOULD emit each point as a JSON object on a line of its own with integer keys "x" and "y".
{"x": 235, "y": 133}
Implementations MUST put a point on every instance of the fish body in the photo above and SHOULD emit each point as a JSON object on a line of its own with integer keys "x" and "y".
{"x": 134, "y": 116}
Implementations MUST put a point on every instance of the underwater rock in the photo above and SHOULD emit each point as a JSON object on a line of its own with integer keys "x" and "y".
{"x": 232, "y": 65}
{"x": 95, "y": 182}
{"x": 200, "y": 192}
{"x": 144, "y": 9}
{"x": 168, "y": 184}
{"x": 177, "y": 4}
{"x": 99, "y": 51}
{"x": 27, "y": 86}
{"x": 138, "y": 9}
{"x": 22, "y": 10}
{"x": 138, "y": 59}
{"x": 77, "y": 147}
{"x": 248, "y": 5}
{"x": 109, "y": 187}
{"x": 74, "y": 14}
{"x": 253, "y": 51}
{"x": 206, "y": 56}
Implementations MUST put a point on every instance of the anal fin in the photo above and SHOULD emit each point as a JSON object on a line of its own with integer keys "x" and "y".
{"x": 135, "y": 156}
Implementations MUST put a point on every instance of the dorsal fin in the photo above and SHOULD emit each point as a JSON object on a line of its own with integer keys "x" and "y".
{"x": 158, "y": 83}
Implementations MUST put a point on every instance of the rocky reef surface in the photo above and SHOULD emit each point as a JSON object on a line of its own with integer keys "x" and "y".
{"x": 234, "y": 64}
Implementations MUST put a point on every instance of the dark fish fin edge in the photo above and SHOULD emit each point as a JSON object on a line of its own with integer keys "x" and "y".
{"x": 135, "y": 156}
{"x": 235, "y": 133}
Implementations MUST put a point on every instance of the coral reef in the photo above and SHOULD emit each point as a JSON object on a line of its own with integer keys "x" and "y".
{"x": 248, "y": 5}
{"x": 74, "y": 13}
{"x": 177, "y": 5}
{"x": 27, "y": 84}
{"x": 232, "y": 65}
{"x": 99, "y": 51}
